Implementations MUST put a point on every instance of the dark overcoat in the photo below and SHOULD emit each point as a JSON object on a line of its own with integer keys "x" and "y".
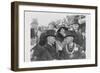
{"x": 40, "y": 54}
{"x": 52, "y": 50}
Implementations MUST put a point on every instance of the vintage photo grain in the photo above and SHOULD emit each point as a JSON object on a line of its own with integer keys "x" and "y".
{"x": 57, "y": 35}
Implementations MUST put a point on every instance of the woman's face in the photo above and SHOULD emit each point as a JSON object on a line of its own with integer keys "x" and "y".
{"x": 62, "y": 32}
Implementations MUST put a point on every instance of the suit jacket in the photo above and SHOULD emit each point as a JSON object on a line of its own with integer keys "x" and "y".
{"x": 52, "y": 50}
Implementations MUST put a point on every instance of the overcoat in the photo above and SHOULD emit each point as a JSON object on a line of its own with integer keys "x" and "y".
{"x": 40, "y": 54}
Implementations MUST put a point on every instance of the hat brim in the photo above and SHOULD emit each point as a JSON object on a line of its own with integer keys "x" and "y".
{"x": 69, "y": 36}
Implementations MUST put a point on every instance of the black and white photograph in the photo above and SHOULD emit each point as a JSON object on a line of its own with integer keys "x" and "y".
{"x": 52, "y": 36}
{"x": 57, "y": 36}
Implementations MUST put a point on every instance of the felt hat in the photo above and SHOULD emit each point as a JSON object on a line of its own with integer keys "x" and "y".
{"x": 70, "y": 33}
{"x": 44, "y": 35}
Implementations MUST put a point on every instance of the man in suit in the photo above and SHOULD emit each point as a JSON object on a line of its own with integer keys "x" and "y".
{"x": 46, "y": 51}
{"x": 51, "y": 45}
{"x": 40, "y": 54}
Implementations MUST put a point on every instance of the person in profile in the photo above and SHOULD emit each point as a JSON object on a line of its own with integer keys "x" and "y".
{"x": 51, "y": 45}
{"x": 46, "y": 51}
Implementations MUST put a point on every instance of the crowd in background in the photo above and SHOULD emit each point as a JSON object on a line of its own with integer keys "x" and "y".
{"x": 60, "y": 39}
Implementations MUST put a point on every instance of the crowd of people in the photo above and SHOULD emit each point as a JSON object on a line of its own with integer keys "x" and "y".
{"x": 61, "y": 40}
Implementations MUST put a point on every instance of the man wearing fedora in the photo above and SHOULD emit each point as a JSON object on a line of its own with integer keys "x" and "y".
{"x": 51, "y": 45}
{"x": 46, "y": 51}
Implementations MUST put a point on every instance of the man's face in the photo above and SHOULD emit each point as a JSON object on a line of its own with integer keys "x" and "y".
{"x": 68, "y": 39}
{"x": 51, "y": 39}
{"x": 62, "y": 32}
{"x": 75, "y": 26}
